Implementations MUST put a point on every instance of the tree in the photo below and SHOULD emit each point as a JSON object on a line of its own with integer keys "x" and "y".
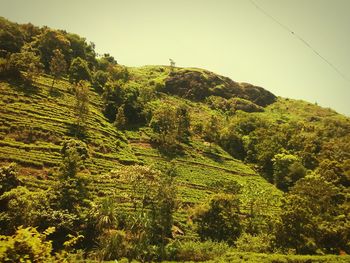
{"x": 163, "y": 122}
{"x": 105, "y": 214}
{"x": 232, "y": 142}
{"x": 120, "y": 119}
{"x": 106, "y": 62}
{"x": 113, "y": 245}
{"x": 313, "y": 218}
{"x": 218, "y": 219}
{"x": 76, "y": 145}
{"x": 153, "y": 196}
{"x": 11, "y": 37}
{"x": 80, "y": 48}
{"x": 172, "y": 64}
{"x": 335, "y": 172}
{"x": 100, "y": 79}
{"x": 261, "y": 243}
{"x": 79, "y": 70}
{"x": 257, "y": 201}
{"x": 26, "y": 61}
{"x": 72, "y": 187}
{"x": 81, "y": 104}
{"x": 163, "y": 208}
{"x": 113, "y": 96}
{"x": 287, "y": 169}
{"x": 49, "y": 41}
{"x": 183, "y": 123}
{"x": 144, "y": 183}
{"x": 118, "y": 72}
{"x": 58, "y": 65}
{"x": 211, "y": 129}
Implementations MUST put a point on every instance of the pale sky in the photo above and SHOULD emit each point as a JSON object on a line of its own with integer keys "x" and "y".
{"x": 229, "y": 37}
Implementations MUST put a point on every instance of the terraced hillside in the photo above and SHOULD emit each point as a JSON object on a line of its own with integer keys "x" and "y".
{"x": 36, "y": 121}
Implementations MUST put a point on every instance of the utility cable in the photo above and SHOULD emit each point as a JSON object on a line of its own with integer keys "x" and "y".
{"x": 302, "y": 40}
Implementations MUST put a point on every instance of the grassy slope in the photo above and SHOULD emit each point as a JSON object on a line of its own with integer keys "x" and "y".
{"x": 35, "y": 121}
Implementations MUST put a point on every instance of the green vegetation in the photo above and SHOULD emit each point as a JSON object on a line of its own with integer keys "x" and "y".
{"x": 99, "y": 161}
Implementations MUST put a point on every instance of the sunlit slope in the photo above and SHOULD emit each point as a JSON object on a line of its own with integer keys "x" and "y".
{"x": 35, "y": 122}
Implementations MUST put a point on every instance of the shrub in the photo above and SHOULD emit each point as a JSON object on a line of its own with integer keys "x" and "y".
{"x": 218, "y": 219}
{"x": 196, "y": 251}
{"x": 22, "y": 207}
{"x": 27, "y": 245}
{"x": 8, "y": 178}
{"x": 249, "y": 243}
{"x": 113, "y": 245}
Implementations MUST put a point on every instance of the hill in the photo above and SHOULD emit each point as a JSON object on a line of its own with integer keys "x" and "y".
{"x": 152, "y": 162}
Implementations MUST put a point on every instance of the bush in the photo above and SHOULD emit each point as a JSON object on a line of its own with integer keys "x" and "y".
{"x": 218, "y": 219}
{"x": 22, "y": 207}
{"x": 27, "y": 245}
{"x": 113, "y": 245}
{"x": 260, "y": 243}
{"x": 8, "y": 178}
{"x": 238, "y": 257}
{"x": 196, "y": 251}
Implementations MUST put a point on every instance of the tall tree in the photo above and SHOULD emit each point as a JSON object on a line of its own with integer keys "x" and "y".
{"x": 81, "y": 104}
{"x": 48, "y": 42}
{"x": 183, "y": 123}
{"x": 58, "y": 65}
{"x": 71, "y": 189}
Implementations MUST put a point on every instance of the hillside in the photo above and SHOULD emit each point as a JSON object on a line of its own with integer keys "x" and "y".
{"x": 35, "y": 125}
{"x": 162, "y": 162}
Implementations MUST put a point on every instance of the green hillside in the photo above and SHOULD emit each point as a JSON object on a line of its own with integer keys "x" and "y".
{"x": 35, "y": 125}
{"x": 161, "y": 162}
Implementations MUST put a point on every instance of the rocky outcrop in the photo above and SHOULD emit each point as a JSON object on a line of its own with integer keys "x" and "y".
{"x": 200, "y": 84}
{"x": 258, "y": 95}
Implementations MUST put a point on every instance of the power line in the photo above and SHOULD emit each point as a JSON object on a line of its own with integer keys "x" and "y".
{"x": 302, "y": 40}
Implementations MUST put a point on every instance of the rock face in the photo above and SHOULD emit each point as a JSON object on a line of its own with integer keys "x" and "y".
{"x": 258, "y": 95}
{"x": 244, "y": 105}
{"x": 198, "y": 85}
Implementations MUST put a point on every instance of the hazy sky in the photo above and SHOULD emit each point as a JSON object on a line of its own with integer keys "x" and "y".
{"x": 230, "y": 37}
